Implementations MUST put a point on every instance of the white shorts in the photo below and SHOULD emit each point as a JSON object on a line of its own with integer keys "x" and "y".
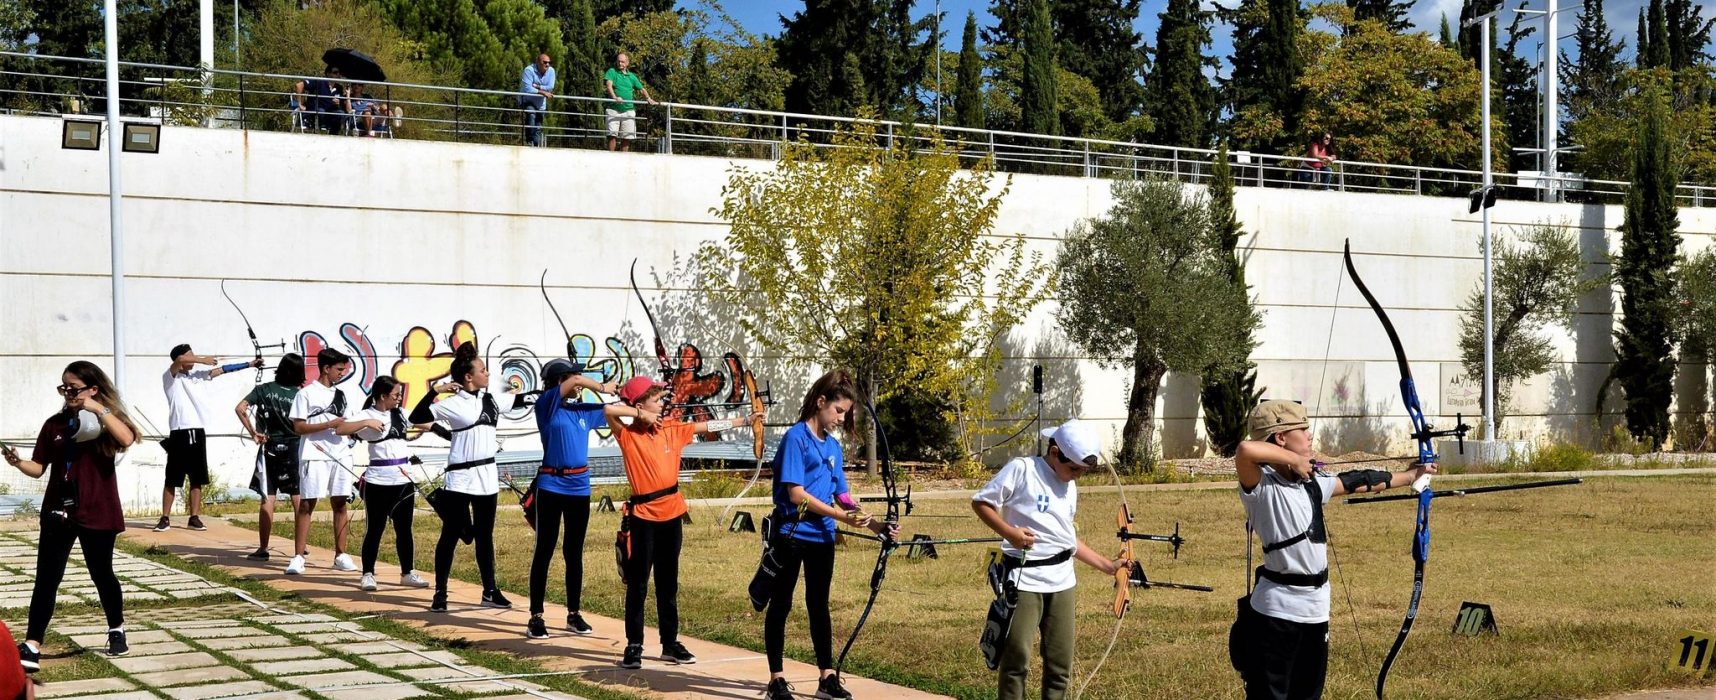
{"x": 322, "y": 478}
{"x": 623, "y": 124}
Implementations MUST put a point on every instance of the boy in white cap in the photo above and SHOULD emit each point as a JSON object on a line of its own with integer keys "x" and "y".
{"x": 1031, "y": 504}
{"x": 1280, "y": 643}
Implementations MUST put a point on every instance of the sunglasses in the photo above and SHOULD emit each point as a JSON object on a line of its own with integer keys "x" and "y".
{"x": 70, "y": 390}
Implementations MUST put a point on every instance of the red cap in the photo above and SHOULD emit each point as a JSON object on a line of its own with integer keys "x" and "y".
{"x": 636, "y": 386}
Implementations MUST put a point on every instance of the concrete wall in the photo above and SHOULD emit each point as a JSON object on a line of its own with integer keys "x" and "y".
{"x": 390, "y": 247}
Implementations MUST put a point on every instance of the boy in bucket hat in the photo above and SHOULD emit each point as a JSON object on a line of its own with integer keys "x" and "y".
{"x": 1031, "y": 504}
{"x": 1280, "y": 642}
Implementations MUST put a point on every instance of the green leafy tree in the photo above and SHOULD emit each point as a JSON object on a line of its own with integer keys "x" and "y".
{"x": 1393, "y": 14}
{"x": 1593, "y": 78}
{"x": 888, "y": 266}
{"x": 1078, "y": 107}
{"x": 1094, "y": 39}
{"x": 16, "y": 19}
{"x": 580, "y": 70}
{"x": 610, "y": 9}
{"x": 1645, "y": 269}
{"x": 1228, "y": 393}
{"x": 1518, "y": 93}
{"x": 1697, "y": 288}
{"x": 1263, "y": 94}
{"x": 1537, "y": 283}
{"x": 1177, "y": 310}
{"x": 1182, "y": 101}
{"x": 1608, "y": 129}
{"x": 847, "y": 54}
{"x": 968, "y": 87}
{"x": 1037, "y": 94}
{"x": 1393, "y": 98}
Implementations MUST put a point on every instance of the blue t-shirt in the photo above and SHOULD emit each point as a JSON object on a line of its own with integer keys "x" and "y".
{"x": 818, "y": 466}
{"x": 565, "y": 428}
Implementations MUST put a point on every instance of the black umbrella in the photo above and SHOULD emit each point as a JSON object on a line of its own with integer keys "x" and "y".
{"x": 355, "y": 65}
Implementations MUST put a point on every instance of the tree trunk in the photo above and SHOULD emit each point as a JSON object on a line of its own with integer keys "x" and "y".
{"x": 870, "y": 453}
{"x": 1138, "y": 438}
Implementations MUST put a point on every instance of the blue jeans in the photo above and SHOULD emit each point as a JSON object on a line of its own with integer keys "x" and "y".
{"x": 1323, "y": 176}
{"x": 533, "y": 116}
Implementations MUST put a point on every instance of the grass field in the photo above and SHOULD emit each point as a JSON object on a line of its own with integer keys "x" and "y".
{"x": 1591, "y": 585}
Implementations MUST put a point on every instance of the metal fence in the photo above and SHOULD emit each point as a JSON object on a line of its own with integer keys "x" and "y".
{"x": 55, "y": 86}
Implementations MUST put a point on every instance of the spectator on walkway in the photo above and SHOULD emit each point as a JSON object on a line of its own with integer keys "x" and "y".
{"x": 325, "y": 102}
{"x": 536, "y": 85}
{"x": 1322, "y": 155}
{"x": 622, "y": 85}
{"x": 78, "y": 450}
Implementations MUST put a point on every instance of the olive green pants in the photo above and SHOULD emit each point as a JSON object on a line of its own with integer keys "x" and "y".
{"x": 1050, "y": 614}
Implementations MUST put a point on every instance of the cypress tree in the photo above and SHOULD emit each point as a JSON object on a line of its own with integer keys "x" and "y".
{"x": 968, "y": 86}
{"x": 1446, "y": 35}
{"x": 1658, "y": 57}
{"x": 1650, "y": 245}
{"x": 1641, "y": 58}
{"x": 1093, "y": 38}
{"x": 1391, "y": 13}
{"x": 1590, "y": 81}
{"x": 1038, "y": 99}
{"x": 1228, "y": 397}
{"x": 1179, "y": 97}
{"x": 1267, "y": 65}
{"x": 1688, "y": 33}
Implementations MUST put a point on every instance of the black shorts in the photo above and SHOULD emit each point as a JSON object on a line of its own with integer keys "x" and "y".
{"x": 187, "y": 457}
{"x": 277, "y": 469}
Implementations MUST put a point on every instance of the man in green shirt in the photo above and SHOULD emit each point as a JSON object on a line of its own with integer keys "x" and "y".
{"x": 277, "y": 443}
{"x": 622, "y": 86}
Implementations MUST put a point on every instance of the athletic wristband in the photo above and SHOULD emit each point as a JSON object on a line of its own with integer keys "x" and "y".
{"x": 716, "y": 426}
{"x": 234, "y": 367}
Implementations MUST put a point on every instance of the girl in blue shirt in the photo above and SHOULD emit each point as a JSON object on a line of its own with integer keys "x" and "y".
{"x": 808, "y": 482}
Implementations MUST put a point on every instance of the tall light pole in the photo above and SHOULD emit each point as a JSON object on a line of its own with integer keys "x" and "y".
{"x": 116, "y": 232}
{"x": 1482, "y": 200}
{"x": 938, "y": 51}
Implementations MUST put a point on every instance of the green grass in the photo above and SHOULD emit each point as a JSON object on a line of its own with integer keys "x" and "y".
{"x": 1590, "y": 584}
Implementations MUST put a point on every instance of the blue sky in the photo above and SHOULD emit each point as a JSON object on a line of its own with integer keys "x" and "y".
{"x": 762, "y": 17}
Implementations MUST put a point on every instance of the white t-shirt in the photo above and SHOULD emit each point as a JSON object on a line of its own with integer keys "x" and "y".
{"x": 387, "y": 445}
{"x": 471, "y": 442}
{"x": 1028, "y": 494}
{"x": 1279, "y": 509}
{"x": 314, "y": 404}
{"x": 184, "y": 398}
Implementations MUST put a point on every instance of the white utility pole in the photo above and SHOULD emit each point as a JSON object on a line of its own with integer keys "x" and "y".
{"x": 1551, "y": 103}
{"x": 1489, "y": 291}
{"x": 116, "y": 232}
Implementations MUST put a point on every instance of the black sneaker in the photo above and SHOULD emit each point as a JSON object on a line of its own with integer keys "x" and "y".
{"x": 633, "y": 657}
{"x": 779, "y": 689}
{"x": 116, "y": 645}
{"x": 492, "y": 598}
{"x": 576, "y": 623}
{"x": 829, "y": 688}
{"x": 677, "y": 653}
{"x": 439, "y": 604}
{"x": 162, "y": 524}
{"x": 259, "y": 555}
{"x": 32, "y": 659}
{"x": 195, "y": 523}
{"x": 536, "y": 629}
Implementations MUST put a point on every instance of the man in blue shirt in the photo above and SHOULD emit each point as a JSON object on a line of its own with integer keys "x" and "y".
{"x": 536, "y": 85}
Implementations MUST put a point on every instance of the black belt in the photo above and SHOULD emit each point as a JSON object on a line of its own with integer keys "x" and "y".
{"x": 647, "y": 497}
{"x": 456, "y": 466}
{"x": 1022, "y": 563}
{"x": 562, "y": 471}
{"x": 1286, "y": 579}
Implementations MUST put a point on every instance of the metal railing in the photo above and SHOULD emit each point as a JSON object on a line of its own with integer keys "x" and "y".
{"x": 54, "y": 85}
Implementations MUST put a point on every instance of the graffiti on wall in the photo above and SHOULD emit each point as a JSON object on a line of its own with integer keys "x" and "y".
{"x": 421, "y": 358}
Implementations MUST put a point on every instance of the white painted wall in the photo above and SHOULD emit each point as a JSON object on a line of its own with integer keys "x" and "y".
{"x": 314, "y": 232}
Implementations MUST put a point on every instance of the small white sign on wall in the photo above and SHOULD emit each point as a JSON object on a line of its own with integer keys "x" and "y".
{"x": 1461, "y": 393}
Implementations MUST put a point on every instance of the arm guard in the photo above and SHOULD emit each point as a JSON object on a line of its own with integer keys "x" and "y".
{"x": 1363, "y": 480}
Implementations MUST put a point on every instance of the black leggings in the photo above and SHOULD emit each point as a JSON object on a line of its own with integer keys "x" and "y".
{"x": 51, "y": 558}
{"x": 654, "y": 544}
{"x": 818, "y": 561}
{"x": 381, "y": 504}
{"x": 551, "y": 509}
{"x": 464, "y": 513}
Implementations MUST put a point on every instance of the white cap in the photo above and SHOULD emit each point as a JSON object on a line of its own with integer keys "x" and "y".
{"x": 1077, "y": 440}
{"x": 88, "y": 426}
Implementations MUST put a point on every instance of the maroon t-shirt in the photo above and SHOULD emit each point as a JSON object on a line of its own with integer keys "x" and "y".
{"x": 91, "y": 472}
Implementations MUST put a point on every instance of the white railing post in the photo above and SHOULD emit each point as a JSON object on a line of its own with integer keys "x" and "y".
{"x": 668, "y": 144}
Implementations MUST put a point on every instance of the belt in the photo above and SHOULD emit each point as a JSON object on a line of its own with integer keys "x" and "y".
{"x": 1286, "y": 579}
{"x": 391, "y": 462}
{"x": 456, "y": 466}
{"x": 1019, "y": 563}
{"x": 647, "y": 497}
{"x": 562, "y": 471}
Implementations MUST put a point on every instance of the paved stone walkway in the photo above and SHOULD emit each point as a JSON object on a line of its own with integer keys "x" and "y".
{"x": 241, "y": 650}
{"x": 139, "y": 579}
{"x": 721, "y": 671}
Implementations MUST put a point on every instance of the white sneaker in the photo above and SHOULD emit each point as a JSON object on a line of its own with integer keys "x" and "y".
{"x": 368, "y": 582}
{"x": 410, "y": 578}
{"x": 343, "y": 562}
{"x": 296, "y": 566}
